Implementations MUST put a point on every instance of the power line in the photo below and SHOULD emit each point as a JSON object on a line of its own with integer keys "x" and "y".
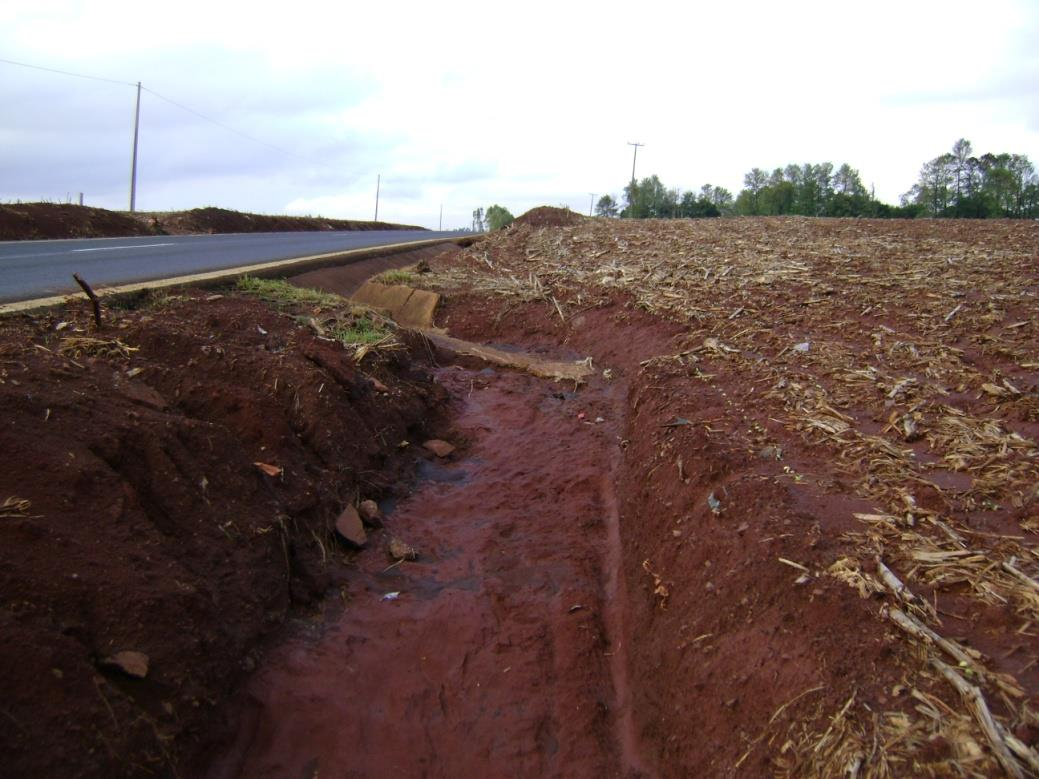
{"x": 221, "y": 124}
{"x": 181, "y": 106}
{"x": 67, "y": 73}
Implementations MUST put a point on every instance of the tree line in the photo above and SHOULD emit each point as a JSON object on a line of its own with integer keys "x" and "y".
{"x": 955, "y": 184}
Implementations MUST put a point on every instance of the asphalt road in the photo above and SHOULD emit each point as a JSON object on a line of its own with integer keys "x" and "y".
{"x": 33, "y": 269}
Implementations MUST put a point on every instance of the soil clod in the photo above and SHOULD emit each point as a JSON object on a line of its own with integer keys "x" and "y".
{"x": 350, "y": 527}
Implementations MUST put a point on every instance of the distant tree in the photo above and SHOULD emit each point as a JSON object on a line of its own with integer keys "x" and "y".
{"x": 960, "y": 184}
{"x": 649, "y": 199}
{"x": 498, "y": 217}
{"x": 478, "y": 220}
{"x": 606, "y": 206}
{"x": 753, "y": 183}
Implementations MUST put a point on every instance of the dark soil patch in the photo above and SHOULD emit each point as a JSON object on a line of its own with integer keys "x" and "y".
{"x": 25, "y": 221}
{"x": 549, "y": 216}
{"x": 221, "y": 220}
{"x": 490, "y": 654}
{"x": 137, "y": 519}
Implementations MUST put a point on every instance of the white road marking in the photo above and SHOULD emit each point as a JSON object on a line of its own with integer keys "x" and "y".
{"x": 116, "y": 248}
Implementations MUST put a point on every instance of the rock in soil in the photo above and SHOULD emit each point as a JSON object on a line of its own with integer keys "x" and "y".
{"x": 401, "y": 551}
{"x": 350, "y": 527}
{"x": 131, "y": 663}
{"x": 370, "y": 513}
{"x": 439, "y": 448}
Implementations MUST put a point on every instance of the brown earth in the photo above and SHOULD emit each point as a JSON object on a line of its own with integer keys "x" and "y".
{"x": 644, "y": 575}
{"x": 549, "y": 216}
{"x": 25, "y": 221}
{"x": 169, "y": 489}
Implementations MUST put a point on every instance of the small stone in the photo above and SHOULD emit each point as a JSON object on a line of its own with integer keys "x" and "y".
{"x": 131, "y": 663}
{"x": 771, "y": 453}
{"x": 378, "y": 386}
{"x": 438, "y": 447}
{"x": 401, "y": 551}
{"x": 350, "y": 527}
{"x": 370, "y": 513}
{"x": 802, "y": 347}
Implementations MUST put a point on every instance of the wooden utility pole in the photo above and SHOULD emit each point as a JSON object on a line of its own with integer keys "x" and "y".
{"x": 633, "y": 158}
{"x": 378, "y": 184}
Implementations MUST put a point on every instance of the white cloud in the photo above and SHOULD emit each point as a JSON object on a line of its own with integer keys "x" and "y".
{"x": 465, "y": 104}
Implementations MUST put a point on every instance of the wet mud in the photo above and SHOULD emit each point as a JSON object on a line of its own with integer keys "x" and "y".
{"x": 498, "y": 651}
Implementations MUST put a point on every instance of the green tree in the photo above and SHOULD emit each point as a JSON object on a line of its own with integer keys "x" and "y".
{"x": 606, "y": 206}
{"x": 498, "y": 217}
{"x": 649, "y": 199}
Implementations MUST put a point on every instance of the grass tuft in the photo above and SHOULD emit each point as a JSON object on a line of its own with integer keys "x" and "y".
{"x": 358, "y": 331}
{"x": 396, "y": 277}
{"x": 282, "y": 293}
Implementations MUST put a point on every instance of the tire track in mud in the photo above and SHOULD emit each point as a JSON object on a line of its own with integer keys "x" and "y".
{"x": 496, "y": 656}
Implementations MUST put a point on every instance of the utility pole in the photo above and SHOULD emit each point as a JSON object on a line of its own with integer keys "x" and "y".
{"x": 591, "y": 203}
{"x": 378, "y": 184}
{"x": 133, "y": 165}
{"x": 633, "y": 158}
{"x": 441, "y": 228}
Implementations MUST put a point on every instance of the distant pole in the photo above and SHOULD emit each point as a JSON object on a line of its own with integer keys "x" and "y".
{"x": 441, "y": 228}
{"x": 378, "y": 183}
{"x": 81, "y": 198}
{"x": 590, "y": 203}
{"x": 133, "y": 165}
{"x": 634, "y": 157}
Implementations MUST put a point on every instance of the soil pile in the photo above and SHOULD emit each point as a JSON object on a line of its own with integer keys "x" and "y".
{"x": 168, "y": 496}
{"x": 549, "y": 216}
{"x": 221, "y": 220}
{"x": 25, "y": 221}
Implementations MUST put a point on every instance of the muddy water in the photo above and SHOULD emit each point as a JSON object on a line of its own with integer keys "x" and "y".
{"x": 495, "y": 654}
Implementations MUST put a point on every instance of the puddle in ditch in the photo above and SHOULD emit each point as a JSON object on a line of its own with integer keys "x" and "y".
{"x": 493, "y": 654}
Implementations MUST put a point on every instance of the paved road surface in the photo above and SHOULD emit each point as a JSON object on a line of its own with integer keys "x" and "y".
{"x": 32, "y": 269}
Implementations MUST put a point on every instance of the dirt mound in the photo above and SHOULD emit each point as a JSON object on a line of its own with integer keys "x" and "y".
{"x": 24, "y": 221}
{"x": 549, "y": 216}
{"x": 169, "y": 489}
{"x": 221, "y": 220}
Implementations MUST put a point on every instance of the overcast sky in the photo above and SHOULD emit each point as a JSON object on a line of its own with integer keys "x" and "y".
{"x": 465, "y": 104}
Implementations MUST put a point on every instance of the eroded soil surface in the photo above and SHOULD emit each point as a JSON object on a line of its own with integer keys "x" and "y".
{"x": 168, "y": 488}
{"x": 800, "y": 541}
{"x": 492, "y": 653}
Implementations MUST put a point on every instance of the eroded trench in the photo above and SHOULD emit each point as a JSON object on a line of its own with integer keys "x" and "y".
{"x": 501, "y": 650}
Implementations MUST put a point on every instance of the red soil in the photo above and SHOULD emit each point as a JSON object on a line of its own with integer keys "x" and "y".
{"x": 734, "y": 638}
{"x": 24, "y": 221}
{"x": 147, "y": 527}
{"x": 489, "y": 655}
{"x": 548, "y": 216}
{"x": 700, "y": 647}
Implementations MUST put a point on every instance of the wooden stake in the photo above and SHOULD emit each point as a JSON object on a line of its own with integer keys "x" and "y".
{"x": 93, "y": 299}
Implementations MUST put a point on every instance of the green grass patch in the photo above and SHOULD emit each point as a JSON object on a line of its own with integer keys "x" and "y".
{"x": 361, "y": 330}
{"x": 282, "y": 293}
{"x": 396, "y": 277}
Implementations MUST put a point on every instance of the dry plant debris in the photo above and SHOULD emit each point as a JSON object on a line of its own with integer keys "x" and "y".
{"x": 909, "y": 352}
